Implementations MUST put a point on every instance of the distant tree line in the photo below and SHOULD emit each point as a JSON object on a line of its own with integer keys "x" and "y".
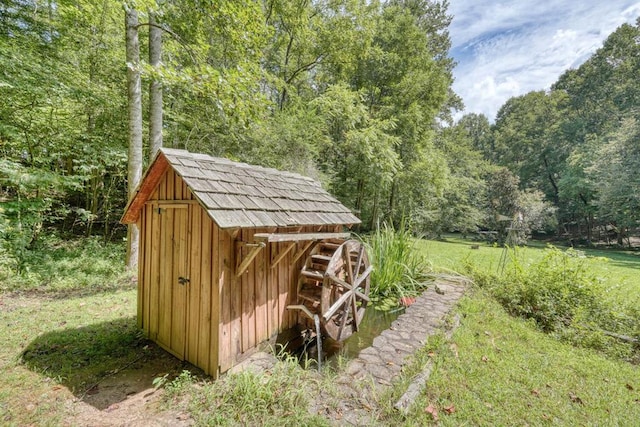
{"x": 354, "y": 93}
{"x": 578, "y": 144}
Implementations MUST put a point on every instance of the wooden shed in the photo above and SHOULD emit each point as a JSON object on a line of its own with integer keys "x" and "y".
{"x": 222, "y": 245}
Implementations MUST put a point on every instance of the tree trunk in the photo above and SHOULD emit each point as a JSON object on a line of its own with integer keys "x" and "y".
{"x": 392, "y": 200}
{"x": 135, "y": 125}
{"x": 155, "y": 88}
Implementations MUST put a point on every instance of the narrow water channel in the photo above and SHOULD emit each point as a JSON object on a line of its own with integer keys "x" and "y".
{"x": 373, "y": 323}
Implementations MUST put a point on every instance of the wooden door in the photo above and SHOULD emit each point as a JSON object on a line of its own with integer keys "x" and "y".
{"x": 173, "y": 278}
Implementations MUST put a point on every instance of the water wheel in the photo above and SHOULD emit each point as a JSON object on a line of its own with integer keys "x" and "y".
{"x": 334, "y": 284}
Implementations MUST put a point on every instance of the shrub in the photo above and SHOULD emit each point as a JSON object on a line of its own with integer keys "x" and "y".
{"x": 561, "y": 295}
{"x": 55, "y": 264}
{"x": 551, "y": 291}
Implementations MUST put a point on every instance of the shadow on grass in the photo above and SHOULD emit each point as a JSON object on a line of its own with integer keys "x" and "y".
{"x": 101, "y": 364}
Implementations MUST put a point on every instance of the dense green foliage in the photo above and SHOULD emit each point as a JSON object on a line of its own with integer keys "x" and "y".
{"x": 351, "y": 92}
{"x": 78, "y": 266}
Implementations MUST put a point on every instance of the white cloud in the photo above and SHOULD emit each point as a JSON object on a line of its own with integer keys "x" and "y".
{"x": 510, "y": 48}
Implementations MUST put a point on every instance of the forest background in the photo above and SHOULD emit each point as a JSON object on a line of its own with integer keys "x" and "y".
{"x": 357, "y": 94}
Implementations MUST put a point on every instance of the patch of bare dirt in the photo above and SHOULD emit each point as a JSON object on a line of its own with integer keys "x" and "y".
{"x": 128, "y": 397}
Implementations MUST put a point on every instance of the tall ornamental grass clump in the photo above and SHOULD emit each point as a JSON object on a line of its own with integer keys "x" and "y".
{"x": 398, "y": 268}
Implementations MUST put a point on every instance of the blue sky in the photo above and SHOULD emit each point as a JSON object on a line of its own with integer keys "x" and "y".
{"x": 509, "y": 48}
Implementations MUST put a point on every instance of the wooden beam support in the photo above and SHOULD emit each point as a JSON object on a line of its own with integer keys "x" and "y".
{"x": 302, "y": 308}
{"x": 298, "y": 237}
{"x": 233, "y": 232}
{"x": 164, "y": 203}
{"x": 255, "y": 249}
{"x": 301, "y": 252}
{"x": 275, "y": 260}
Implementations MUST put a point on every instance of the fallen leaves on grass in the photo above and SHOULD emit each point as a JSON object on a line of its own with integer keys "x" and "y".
{"x": 485, "y": 359}
{"x": 535, "y": 392}
{"x": 454, "y": 348}
{"x": 629, "y": 387}
{"x": 449, "y": 409}
{"x": 433, "y": 411}
{"x": 575, "y": 399}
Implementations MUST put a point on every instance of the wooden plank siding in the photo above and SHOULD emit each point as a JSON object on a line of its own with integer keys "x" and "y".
{"x": 224, "y": 291}
{"x": 262, "y": 332}
{"x": 179, "y": 243}
{"x": 197, "y": 315}
{"x": 214, "y": 319}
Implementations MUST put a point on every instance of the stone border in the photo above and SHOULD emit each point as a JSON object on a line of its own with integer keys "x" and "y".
{"x": 391, "y": 350}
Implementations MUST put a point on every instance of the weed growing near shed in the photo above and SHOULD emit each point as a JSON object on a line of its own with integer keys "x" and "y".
{"x": 280, "y": 397}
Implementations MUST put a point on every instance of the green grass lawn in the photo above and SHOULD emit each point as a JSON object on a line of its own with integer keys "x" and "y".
{"x": 54, "y": 349}
{"x": 500, "y": 370}
{"x": 497, "y": 370}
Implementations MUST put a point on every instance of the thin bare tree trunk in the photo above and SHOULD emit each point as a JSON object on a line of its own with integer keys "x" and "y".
{"x": 135, "y": 124}
{"x": 155, "y": 88}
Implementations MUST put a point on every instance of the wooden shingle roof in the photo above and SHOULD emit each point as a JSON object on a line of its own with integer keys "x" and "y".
{"x": 241, "y": 195}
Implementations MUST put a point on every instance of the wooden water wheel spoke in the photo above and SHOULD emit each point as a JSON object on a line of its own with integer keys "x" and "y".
{"x": 359, "y": 262}
{"x": 346, "y": 257}
{"x": 343, "y": 323}
{"x": 337, "y": 305}
{"x": 334, "y": 284}
{"x": 349, "y": 287}
{"x": 354, "y": 310}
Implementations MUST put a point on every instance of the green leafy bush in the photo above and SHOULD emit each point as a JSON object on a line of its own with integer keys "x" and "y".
{"x": 551, "y": 291}
{"x": 399, "y": 269}
{"x": 564, "y": 298}
{"x": 54, "y": 264}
